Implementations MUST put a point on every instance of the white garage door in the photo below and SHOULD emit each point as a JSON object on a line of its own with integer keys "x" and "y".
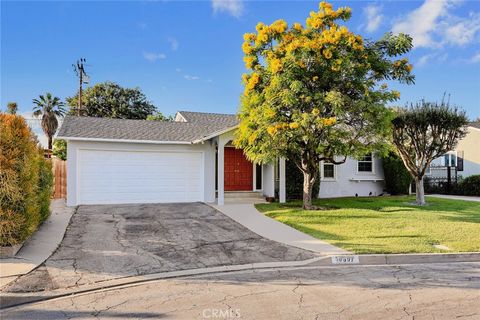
{"x": 108, "y": 177}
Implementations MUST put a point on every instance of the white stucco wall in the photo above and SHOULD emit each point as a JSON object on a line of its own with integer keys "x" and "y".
{"x": 207, "y": 148}
{"x": 471, "y": 156}
{"x": 348, "y": 181}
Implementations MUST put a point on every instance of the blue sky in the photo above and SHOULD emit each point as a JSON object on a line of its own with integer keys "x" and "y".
{"x": 187, "y": 55}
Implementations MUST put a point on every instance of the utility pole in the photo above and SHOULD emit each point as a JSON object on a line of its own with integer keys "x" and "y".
{"x": 83, "y": 78}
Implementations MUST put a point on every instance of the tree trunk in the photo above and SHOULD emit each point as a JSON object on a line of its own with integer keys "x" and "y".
{"x": 420, "y": 192}
{"x": 50, "y": 139}
{"x": 307, "y": 190}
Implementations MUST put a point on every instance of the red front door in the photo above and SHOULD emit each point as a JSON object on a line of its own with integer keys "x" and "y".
{"x": 238, "y": 171}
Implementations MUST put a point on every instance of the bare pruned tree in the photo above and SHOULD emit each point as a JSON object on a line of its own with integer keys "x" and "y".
{"x": 423, "y": 132}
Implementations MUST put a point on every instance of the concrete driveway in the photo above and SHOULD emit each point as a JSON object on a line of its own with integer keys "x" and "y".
{"x": 113, "y": 241}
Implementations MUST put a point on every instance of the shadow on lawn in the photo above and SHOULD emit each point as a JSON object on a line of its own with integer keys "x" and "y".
{"x": 382, "y": 204}
{"x": 464, "y": 217}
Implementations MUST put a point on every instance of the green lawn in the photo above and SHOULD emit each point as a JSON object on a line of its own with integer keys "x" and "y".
{"x": 386, "y": 224}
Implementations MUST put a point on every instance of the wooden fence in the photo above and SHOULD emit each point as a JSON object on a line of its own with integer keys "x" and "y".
{"x": 60, "y": 178}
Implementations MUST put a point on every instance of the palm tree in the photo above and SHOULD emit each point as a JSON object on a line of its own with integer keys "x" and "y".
{"x": 49, "y": 108}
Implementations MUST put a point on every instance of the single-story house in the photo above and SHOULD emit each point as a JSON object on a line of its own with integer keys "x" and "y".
{"x": 464, "y": 161}
{"x": 189, "y": 159}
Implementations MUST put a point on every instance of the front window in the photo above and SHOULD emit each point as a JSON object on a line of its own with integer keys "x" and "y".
{"x": 450, "y": 159}
{"x": 328, "y": 171}
{"x": 365, "y": 164}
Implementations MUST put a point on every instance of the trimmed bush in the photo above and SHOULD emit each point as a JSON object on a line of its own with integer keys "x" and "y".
{"x": 45, "y": 187}
{"x": 60, "y": 149}
{"x": 470, "y": 186}
{"x": 294, "y": 182}
{"x": 25, "y": 181}
{"x": 397, "y": 178}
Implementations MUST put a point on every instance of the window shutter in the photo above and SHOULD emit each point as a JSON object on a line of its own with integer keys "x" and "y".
{"x": 460, "y": 160}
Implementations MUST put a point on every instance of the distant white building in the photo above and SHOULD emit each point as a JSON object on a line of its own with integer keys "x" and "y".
{"x": 464, "y": 161}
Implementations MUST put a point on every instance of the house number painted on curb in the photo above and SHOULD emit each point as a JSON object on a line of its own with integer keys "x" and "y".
{"x": 345, "y": 260}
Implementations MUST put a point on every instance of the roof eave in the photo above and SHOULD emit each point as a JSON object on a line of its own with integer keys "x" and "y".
{"x": 215, "y": 134}
{"x": 121, "y": 140}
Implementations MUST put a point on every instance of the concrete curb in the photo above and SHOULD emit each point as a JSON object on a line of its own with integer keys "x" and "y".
{"x": 17, "y": 300}
{"x": 119, "y": 283}
{"x": 394, "y": 259}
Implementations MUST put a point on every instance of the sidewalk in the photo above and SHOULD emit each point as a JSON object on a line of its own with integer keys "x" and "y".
{"x": 250, "y": 217}
{"x": 445, "y": 196}
{"x": 40, "y": 245}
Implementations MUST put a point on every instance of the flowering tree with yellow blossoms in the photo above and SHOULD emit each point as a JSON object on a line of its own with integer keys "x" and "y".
{"x": 315, "y": 92}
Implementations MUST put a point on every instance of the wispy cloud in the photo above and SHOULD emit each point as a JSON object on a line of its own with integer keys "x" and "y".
{"x": 373, "y": 14}
{"x": 461, "y": 31}
{"x": 152, "y": 57}
{"x": 232, "y": 7}
{"x": 431, "y": 57}
{"x": 190, "y": 77}
{"x": 173, "y": 43}
{"x": 423, "y": 60}
{"x": 475, "y": 58}
{"x": 421, "y": 22}
{"x": 432, "y": 25}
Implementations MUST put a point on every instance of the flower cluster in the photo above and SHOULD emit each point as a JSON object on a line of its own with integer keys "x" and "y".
{"x": 403, "y": 64}
{"x": 272, "y": 130}
{"x": 326, "y": 14}
{"x": 275, "y": 65}
{"x": 252, "y": 81}
{"x": 328, "y": 121}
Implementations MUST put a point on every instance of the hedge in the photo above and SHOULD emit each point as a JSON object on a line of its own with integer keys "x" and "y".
{"x": 397, "y": 178}
{"x": 470, "y": 186}
{"x": 26, "y": 181}
{"x": 294, "y": 182}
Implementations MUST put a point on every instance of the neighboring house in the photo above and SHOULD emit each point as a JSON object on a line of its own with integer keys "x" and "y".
{"x": 464, "y": 161}
{"x": 189, "y": 159}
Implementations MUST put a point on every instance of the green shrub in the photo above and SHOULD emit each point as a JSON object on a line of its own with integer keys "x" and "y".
{"x": 397, "y": 178}
{"x": 60, "y": 149}
{"x": 25, "y": 183}
{"x": 45, "y": 187}
{"x": 294, "y": 182}
{"x": 10, "y": 227}
{"x": 470, "y": 186}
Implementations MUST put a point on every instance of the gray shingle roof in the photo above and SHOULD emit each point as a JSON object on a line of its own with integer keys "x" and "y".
{"x": 227, "y": 120}
{"x": 475, "y": 124}
{"x": 198, "y": 125}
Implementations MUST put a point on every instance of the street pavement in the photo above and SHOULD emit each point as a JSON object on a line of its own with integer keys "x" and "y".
{"x": 420, "y": 291}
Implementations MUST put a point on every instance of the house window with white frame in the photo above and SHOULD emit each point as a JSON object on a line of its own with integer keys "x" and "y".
{"x": 328, "y": 171}
{"x": 365, "y": 164}
{"x": 450, "y": 159}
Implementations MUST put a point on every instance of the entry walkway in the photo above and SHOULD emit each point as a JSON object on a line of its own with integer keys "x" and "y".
{"x": 250, "y": 217}
{"x": 447, "y": 196}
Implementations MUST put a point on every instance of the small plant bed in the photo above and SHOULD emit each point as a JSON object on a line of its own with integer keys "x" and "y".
{"x": 386, "y": 224}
